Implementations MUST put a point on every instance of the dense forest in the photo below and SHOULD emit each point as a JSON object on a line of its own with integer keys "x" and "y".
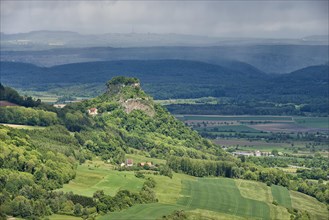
{"x": 33, "y": 163}
{"x": 300, "y": 92}
{"x": 11, "y": 95}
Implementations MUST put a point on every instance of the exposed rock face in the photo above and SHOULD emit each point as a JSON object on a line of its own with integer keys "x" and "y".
{"x": 138, "y": 104}
{"x": 127, "y": 91}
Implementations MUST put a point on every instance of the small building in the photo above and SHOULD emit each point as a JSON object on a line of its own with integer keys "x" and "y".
{"x": 122, "y": 164}
{"x": 92, "y": 111}
{"x": 243, "y": 153}
{"x": 59, "y": 105}
{"x": 258, "y": 153}
{"x": 136, "y": 85}
{"x": 129, "y": 162}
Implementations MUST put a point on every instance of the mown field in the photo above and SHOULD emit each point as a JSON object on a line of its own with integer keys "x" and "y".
{"x": 143, "y": 212}
{"x": 201, "y": 198}
{"x": 281, "y": 196}
{"x": 221, "y": 195}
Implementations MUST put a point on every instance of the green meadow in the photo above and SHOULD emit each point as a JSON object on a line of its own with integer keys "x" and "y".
{"x": 143, "y": 212}
{"x": 92, "y": 177}
{"x": 223, "y": 196}
{"x": 316, "y": 209}
{"x": 201, "y": 198}
{"x": 63, "y": 217}
{"x": 281, "y": 196}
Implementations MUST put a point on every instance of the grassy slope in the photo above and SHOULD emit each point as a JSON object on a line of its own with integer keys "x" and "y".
{"x": 222, "y": 195}
{"x": 142, "y": 212}
{"x": 63, "y": 217}
{"x": 281, "y": 195}
{"x": 316, "y": 209}
{"x": 168, "y": 190}
{"x": 261, "y": 192}
{"x": 202, "y": 214}
{"x": 205, "y": 198}
{"x": 90, "y": 178}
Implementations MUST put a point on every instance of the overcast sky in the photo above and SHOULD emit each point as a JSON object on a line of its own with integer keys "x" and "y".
{"x": 277, "y": 19}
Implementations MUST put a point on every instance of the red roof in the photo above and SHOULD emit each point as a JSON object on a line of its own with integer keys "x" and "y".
{"x": 129, "y": 161}
{"x": 93, "y": 109}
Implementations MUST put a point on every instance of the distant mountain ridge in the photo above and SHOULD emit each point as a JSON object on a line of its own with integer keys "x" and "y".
{"x": 266, "y": 58}
{"x": 172, "y": 78}
{"x": 170, "y": 71}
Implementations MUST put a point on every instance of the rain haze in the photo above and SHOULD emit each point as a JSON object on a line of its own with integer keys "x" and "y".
{"x": 267, "y": 19}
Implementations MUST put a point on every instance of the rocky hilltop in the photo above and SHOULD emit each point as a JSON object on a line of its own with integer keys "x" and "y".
{"x": 127, "y": 91}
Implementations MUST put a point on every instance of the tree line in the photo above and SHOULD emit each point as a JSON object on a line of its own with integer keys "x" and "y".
{"x": 249, "y": 171}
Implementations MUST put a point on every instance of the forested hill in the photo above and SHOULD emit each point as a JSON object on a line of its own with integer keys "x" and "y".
{"x": 124, "y": 120}
{"x": 151, "y": 71}
{"x": 10, "y": 95}
{"x": 267, "y": 58}
{"x": 165, "y": 79}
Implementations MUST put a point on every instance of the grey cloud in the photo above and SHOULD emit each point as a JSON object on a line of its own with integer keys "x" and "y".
{"x": 213, "y": 18}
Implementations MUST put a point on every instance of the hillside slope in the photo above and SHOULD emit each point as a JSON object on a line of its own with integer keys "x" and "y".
{"x": 122, "y": 123}
{"x": 35, "y": 162}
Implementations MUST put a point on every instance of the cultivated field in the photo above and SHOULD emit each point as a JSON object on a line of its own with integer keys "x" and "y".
{"x": 285, "y": 134}
{"x": 287, "y": 127}
{"x": 261, "y": 192}
{"x": 281, "y": 196}
{"x": 259, "y": 123}
{"x": 313, "y": 122}
{"x": 236, "y": 118}
{"x": 221, "y": 195}
{"x": 201, "y": 198}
